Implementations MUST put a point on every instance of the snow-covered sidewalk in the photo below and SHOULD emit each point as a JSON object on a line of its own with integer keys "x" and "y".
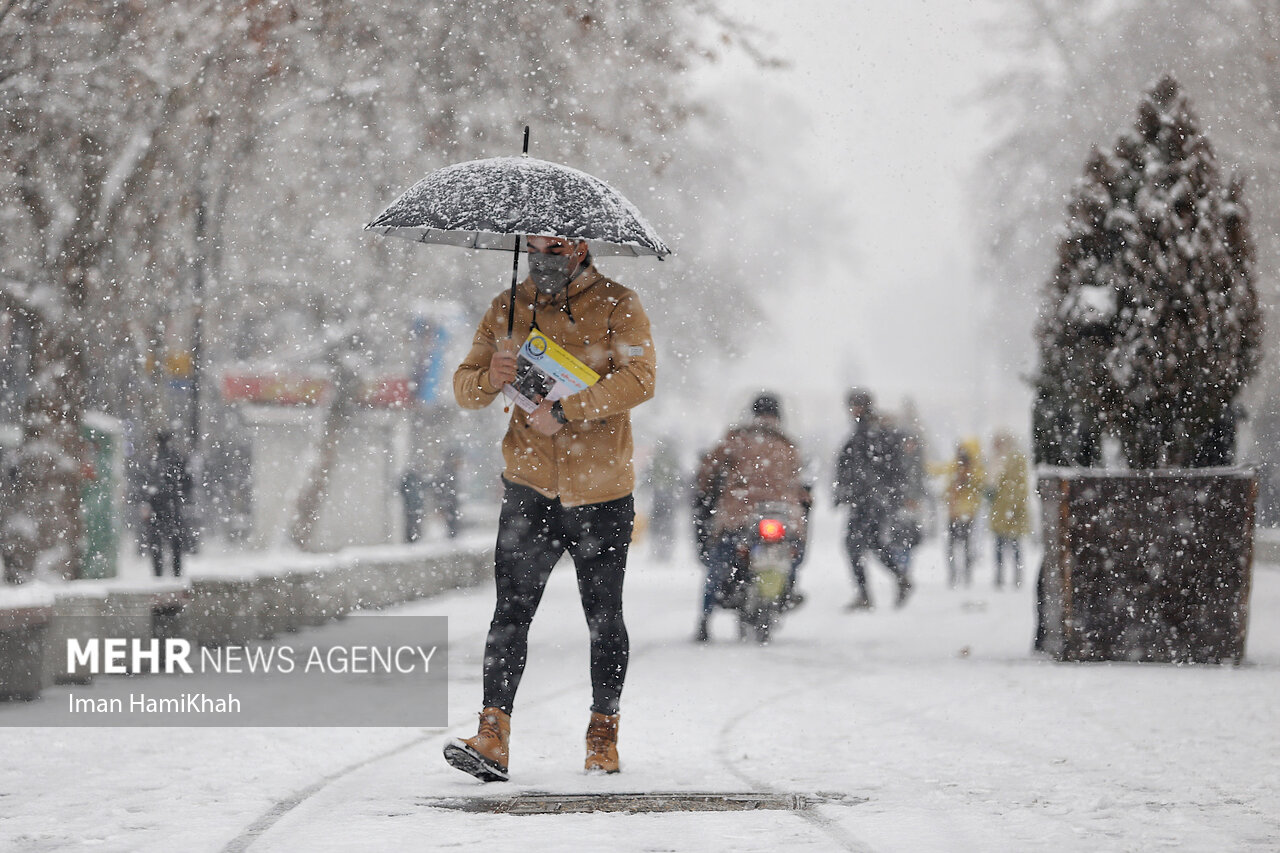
{"x": 927, "y": 728}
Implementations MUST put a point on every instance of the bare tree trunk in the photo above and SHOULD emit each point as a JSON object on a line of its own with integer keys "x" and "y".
{"x": 337, "y": 419}
{"x": 44, "y": 526}
{"x": 316, "y": 490}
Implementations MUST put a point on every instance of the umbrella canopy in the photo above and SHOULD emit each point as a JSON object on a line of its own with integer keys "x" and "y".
{"x": 489, "y": 204}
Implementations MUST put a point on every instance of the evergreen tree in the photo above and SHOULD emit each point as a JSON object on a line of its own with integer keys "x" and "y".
{"x": 1075, "y": 330}
{"x": 1151, "y": 325}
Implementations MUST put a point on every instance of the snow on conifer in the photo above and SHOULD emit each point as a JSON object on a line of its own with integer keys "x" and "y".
{"x": 1151, "y": 325}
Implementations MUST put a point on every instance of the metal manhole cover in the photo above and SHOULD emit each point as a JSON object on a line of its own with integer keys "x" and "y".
{"x": 682, "y": 801}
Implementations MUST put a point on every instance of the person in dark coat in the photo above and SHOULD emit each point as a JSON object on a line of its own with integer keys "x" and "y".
{"x": 413, "y": 488}
{"x": 869, "y": 480}
{"x": 165, "y": 496}
{"x": 904, "y": 528}
{"x": 444, "y": 491}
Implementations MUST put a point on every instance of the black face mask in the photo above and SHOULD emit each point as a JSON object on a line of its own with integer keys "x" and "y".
{"x": 550, "y": 273}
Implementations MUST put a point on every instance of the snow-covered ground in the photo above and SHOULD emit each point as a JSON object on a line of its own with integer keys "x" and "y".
{"x": 927, "y": 728}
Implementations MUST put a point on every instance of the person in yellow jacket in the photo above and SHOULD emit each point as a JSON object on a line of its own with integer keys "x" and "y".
{"x": 1010, "y": 521}
{"x": 567, "y": 481}
{"x": 964, "y": 500}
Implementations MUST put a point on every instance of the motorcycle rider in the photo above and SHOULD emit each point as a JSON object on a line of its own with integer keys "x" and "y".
{"x": 753, "y": 463}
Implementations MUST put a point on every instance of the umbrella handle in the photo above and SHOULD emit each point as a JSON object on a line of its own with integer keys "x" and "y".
{"x": 508, "y": 345}
{"x": 515, "y": 270}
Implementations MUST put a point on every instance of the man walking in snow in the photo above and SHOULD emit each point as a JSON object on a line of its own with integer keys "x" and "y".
{"x": 567, "y": 484}
{"x": 869, "y": 480}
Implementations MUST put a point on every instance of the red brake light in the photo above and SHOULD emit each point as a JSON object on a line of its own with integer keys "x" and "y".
{"x": 772, "y": 530}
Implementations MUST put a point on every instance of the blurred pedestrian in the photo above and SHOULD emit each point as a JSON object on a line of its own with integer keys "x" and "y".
{"x": 1010, "y": 521}
{"x": 166, "y": 494}
{"x": 964, "y": 499}
{"x": 444, "y": 494}
{"x": 905, "y": 527}
{"x": 568, "y": 483}
{"x": 869, "y": 481}
{"x": 666, "y": 487}
{"x": 413, "y": 488}
{"x": 8, "y": 502}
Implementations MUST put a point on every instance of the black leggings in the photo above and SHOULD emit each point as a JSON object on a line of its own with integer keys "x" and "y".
{"x": 533, "y": 532}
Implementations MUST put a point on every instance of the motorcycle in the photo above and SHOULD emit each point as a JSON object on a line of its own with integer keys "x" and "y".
{"x": 758, "y": 585}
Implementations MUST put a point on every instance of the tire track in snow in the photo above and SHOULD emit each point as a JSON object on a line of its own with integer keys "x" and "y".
{"x": 821, "y": 822}
{"x": 277, "y": 810}
{"x": 282, "y": 807}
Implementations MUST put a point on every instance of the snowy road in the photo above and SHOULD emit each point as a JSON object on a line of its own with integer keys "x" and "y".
{"x": 922, "y": 729}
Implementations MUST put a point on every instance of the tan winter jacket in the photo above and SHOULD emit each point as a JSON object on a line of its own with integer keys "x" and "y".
{"x": 589, "y": 460}
{"x": 752, "y": 464}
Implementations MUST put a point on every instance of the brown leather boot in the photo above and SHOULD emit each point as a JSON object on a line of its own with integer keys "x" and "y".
{"x": 602, "y": 744}
{"x": 485, "y": 755}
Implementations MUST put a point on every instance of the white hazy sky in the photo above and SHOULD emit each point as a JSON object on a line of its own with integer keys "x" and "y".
{"x": 890, "y": 87}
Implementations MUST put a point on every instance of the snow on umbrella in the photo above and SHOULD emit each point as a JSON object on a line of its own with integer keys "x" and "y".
{"x": 489, "y": 204}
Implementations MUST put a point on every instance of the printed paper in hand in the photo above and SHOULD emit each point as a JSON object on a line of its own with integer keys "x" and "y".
{"x": 546, "y": 370}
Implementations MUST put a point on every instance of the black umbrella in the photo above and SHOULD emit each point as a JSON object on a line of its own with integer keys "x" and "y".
{"x": 490, "y": 204}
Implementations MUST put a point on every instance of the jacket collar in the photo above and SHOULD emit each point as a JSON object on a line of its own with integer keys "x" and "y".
{"x": 763, "y": 426}
{"x": 583, "y": 282}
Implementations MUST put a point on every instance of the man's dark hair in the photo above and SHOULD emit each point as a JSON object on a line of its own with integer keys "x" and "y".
{"x": 859, "y": 398}
{"x": 767, "y": 404}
